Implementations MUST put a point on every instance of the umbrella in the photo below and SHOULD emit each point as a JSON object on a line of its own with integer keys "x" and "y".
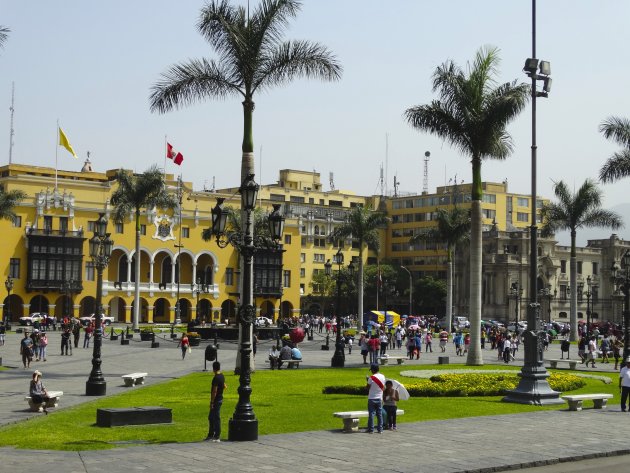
{"x": 403, "y": 394}
{"x": 375, "y": 324}
{"x": 414, "y": 327}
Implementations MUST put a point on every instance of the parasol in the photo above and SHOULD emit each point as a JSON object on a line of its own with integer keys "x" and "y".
{"x": 403, "y": 394}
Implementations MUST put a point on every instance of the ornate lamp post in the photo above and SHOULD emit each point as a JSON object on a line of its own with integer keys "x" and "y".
{"x": 515, "y": 292}
{"x": 339, "y": 358}
{"x": 198, "y": 289}
{"x": 9, "y": 285}
{"x": 67, "y": 288}
{"x": 100, "y": 251}
{"x": 243, "y": 425}
{"x": 588, "y": 295}
{"x": 621, "y": 282}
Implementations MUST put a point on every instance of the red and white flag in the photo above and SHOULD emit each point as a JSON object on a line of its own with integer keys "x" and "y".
{"x": 176, "y": 156}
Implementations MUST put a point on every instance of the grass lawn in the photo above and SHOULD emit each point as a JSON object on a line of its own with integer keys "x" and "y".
{"x": 284, "y": 401}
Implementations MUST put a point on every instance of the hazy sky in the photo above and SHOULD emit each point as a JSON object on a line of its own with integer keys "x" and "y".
{"x": 91, "y": 65}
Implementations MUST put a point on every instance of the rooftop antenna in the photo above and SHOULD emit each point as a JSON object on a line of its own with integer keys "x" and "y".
{"x": 11, "y": 130}
{"x": 425, "y": 183}
{"x": 396, "y": 184}
{"x": 331, "y": 178}
{"x": 381, "y": 183}
{"x": 386, "y": 160}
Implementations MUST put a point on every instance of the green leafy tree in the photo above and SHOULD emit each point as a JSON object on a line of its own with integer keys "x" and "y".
{"x": 325, "y": 287}
{"x": 8, "y": 201}
{"x": 618, "y": 165}
{"x": 362, "y": 225}
{"x": 134, "y": 193}
{"x": 429, "y": 295}
{"x": 453, "y": 228}
{"x": 472, "y": 114}
{"x": 581, "y": 209}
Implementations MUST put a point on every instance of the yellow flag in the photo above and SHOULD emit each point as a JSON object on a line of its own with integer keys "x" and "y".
{"x": 63, "y": 141}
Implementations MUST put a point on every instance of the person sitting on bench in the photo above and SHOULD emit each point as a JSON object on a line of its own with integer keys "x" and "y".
{"x": 274, "y": 356}
{"x": 37, "y": 391}
{"x": 285, "y": 354}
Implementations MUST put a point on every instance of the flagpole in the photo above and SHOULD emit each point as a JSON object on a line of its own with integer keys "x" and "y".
{"x": 165, "y": 154}
{"x": 56, "y": 151}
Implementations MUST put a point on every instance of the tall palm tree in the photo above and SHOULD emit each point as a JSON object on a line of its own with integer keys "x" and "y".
{"x": 134, "y": 193}
{"x": 581, "y": 209}
{"x": 362, "y": 225}
{"x": 472, "y": 114}
{"x": 8, "y": 202}
{"x": 618, "y": 165}
{"x": 453, "y": 227}
{"x": 4, "y": 34}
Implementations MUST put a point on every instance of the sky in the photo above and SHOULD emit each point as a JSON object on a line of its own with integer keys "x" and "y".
{"x": 91, "y": 65}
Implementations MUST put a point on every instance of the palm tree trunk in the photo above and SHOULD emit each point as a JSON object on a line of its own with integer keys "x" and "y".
{"x": 573, "y": 285}
{"x": 360, "y": 291}
{"x": 449, "y": 289}
{"x": 136, "y": 294}
{"x": 474, "y": 353}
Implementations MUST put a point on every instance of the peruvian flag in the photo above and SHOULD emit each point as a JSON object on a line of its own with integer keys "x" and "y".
{"x": 176, "y": 156}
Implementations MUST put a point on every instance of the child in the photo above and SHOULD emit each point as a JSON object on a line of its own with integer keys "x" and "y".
{"x": 390, "y": 399}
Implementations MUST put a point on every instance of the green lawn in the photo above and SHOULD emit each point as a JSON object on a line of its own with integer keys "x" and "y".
{"x": 284, "y": 401}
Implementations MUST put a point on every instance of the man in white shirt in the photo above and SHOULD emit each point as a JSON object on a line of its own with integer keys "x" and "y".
{"x": 592, "y": 352}
{"x": 624, "y": 384}
{"x": 507, "y": 349}
{"x": 376, "y": 385}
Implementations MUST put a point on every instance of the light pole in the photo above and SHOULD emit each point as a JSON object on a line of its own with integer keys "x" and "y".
{"x": 516, "y": 291}
{"x": 198, "y": 289}
{"x": 588, "y": 295}
{"x": 9, "y": 285}
{"x": 621, "y": 282}
{"x": 67, "y": 287}
{"x": 100, "y": 251}
{"x": 410, "y": 289}
{"x": 339, "y": 357}
{"x": 533, "y": 387}
{"x": 243, "y": 426}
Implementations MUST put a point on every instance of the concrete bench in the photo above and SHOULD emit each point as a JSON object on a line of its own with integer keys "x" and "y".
{"x": 290, "y": 363}
{"x": 134, "y": 378}
{"x": 575, "y": 401}
{"x": 383, "y": 360}
{"x": 554, "y": 363}
{"x": 53, "y": 401}
{"x": 351, "y": 418}
{"x": 133, "y": 416}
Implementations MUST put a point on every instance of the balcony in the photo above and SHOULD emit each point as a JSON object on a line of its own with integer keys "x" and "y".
{"x": 168, "y": 290}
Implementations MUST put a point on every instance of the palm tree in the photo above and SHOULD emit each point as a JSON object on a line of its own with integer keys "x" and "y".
{"x": 453, "y": 227}
{"x": 8, "y": 202}
{"x": 472, "y": 114}
{"x": 4, "y": 34}
{"x": 617, "y": 166}
{"x": 136, "y": 192}
{"x": 362, "y": 225}
{"x": 581, "y": 209}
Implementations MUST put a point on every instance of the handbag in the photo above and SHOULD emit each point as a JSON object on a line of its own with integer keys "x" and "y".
{"x": 189, "y": 350}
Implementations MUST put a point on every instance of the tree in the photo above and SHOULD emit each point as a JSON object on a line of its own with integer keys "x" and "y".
{"x": 472, "y": 114}
{"x": 134, "y": 193}
{"x": 362, "y": 225}
{"x": 581, "y": 209}
{"x": 453, "y": 227}
{"x": 4, "y": 34}
{"x": 429, "y": 294}
{"x": 617, "y": 166}
{"x": 8, "y": 202}
{"x": 325, "y": 287}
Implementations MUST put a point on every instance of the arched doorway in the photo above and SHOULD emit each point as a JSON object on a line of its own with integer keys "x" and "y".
{"x": 144, "y": 310}
{"x": 117, "y": 309}
{"x": 39, "y": 304}
{"x": 204, "y": 310}
{"x": 286, "y": 309}
{"x": 267, "y": 309}
{"x": 63, "y": 307}
{"x": 87, "y": 306}
{"x": 13, "y": 308}
{"x": 184, "y": 310}
{"x": 228, "y": 311}
{"x": 161, "y": 310}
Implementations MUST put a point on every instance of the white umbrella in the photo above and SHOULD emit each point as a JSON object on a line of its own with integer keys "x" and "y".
{"x": 403, "y": 394}
{"x": 414, "y": 327}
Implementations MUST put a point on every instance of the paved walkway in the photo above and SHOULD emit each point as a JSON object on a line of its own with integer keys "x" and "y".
{"x": 491, "y": 443}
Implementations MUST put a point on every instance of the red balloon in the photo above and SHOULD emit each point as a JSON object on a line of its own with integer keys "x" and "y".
{"x": 297, "y": 335}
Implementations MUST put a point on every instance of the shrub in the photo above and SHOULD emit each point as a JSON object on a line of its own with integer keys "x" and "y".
{"x": 462, "y": 385}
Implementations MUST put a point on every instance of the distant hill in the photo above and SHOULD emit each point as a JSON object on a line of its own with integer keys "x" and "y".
{"x": 585, "y": 234}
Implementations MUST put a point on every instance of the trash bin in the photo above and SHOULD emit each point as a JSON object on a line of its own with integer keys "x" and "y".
{"x": 443, "y": 360}
{"x": 211, "y": 353}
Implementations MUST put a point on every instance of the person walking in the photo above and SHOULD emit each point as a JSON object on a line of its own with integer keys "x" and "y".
{"x": 43, "y": 344}
{"x": 363, "y": 346}
{"x": 184, "y": 344}
{"x": 216, "y": 400}
{"x": 624, "y": 384}
{"x": 507, "y": 350}
{"x": 3, "y": 330}
{"x": 26, "y": 350}
{"x": 375, "y": 386}
{"x": 592, "y": 352}
{"x": 428, "y": 342}
{"x": 89, "y": 329}
{"x": 443, "y": 340}
{"x": 373, "y": 346}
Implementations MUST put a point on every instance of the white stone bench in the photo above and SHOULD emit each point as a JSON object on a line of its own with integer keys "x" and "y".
{"x": 53, "y": 401}
{"x": 575, "y": 401}
{"x": 134, "y": 378}
{"x": 351, "y": 418}
{"x": 383, "y": 360}
{"x": 554, "y": 363}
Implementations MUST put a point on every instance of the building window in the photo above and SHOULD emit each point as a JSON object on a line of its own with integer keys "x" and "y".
{"x": 143, "y": 229}
{"x": 119, "y": 227}
{"x": 489, "y": 213}
{"x": 595, "y": 269}
{"x": 489, "y": 198}
{"x": 320, "y": 242}
{"x": 17, "y": 221}
{"x": 89, "y": 271}
{"x": 47, "y": 223}
{"x": 302, "y": 272}
{"x": 14, "y": 268}
{"x": 594, "y": 295}
{"x": 286, "y": 278}
{"x": 580, "y": 293}
{"x": 522, "y": 202}
{"x": 287, "y": 239}
{"x": 563, "y": 293}
{"x": 563, "y": 266}
{"x": 229, "y": 276}
{"x": 302, "y": 257}
{"x": 185, "y": 232}
{"x": 63, "y": 224}
{"x": 92, "y": 226}
{"x": 522, "y": 217}
{"x": 319, "y": 257}
{"x": 579, "y": 267}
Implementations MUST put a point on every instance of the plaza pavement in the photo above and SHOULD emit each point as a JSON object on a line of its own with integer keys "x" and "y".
{"x": 490, "y": 443}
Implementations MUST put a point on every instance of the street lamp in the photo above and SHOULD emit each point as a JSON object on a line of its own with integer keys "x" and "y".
{"x": 533, "y": 387}
{"x": 516, "y": 292}
{"x": 100, "y": 251}
{"x": 67, "y": 287}
{"x": 9, "y": 285}
{"x": 243, "y": 426}
{"x": 588, "y": 295}
{"x": 339, "y": 358}
{"x": 410, "y": 288}
{"x": 199, "y": 288}
{"x": 621, "y": 282}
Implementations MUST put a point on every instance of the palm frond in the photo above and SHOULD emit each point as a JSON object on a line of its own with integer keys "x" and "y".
{"x": 617, "y": 167}
{"x": 616, "y": 129}
{"x": 8, "y": 201}
{"x": 4, "y": 34}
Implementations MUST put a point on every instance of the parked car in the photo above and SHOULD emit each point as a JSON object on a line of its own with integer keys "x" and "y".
{"x": 263, "y": 322}
{"x": 518, "y": 328}
{"x": 35, "y": 317}
{"x": 88, "y": 319}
